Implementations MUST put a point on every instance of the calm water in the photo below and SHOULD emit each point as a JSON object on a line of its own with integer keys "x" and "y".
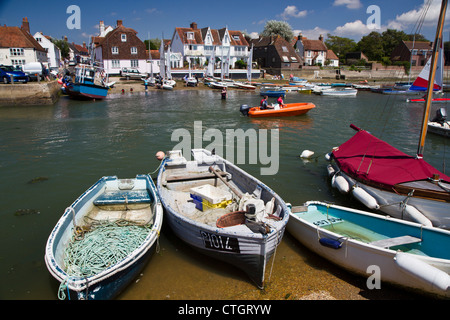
{"x": 72, "y": 144}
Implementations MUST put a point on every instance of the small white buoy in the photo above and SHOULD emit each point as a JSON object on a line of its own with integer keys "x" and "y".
{"x": 160, "y": 155}
{"x": 306, "y": 154}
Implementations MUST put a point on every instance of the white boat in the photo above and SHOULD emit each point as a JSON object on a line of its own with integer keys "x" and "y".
{"x": 246, "y": 86}
{"x": 387, "y": 180}
{"x": 222, "y": 211}
{"x": 402, "y": 253}
{"x": 105, "y": 238}
{"x": 344, "y": 92}
{"x": 439, "y": 124}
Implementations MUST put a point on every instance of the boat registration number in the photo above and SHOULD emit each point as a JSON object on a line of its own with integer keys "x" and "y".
{"x": 221, "y": 243}
{"x": 325, "y": 222}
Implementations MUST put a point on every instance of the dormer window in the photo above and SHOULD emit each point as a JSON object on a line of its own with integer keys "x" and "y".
{"x": 115, "y": 50}
{"x": 133, "y": 50}
{"x": 190, "y": 36}
{"x": 236, "y": 38}
{"x": 123, "y": 37}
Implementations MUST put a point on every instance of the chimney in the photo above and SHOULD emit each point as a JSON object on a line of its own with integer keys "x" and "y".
{"x": 119, "y": 23}
{"x": 25, "y": 25}
{"x": 102, "y": 28}
{"x": 300, "y": 36}
{"x": 84, "y": 44}
{"x": 65, "y": 38}
{"x": 194, "y": 25}
{"x": 321, "y": 38}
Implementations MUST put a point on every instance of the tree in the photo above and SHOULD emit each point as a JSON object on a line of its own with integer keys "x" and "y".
{"x": 339, "y": 45}
{"x": 372, "y": 46}
{"x": 63, "y": 47}
{"x": 280, "y": 28}
{"x": 154, "y": 44}
{"x": 391, "y": 39}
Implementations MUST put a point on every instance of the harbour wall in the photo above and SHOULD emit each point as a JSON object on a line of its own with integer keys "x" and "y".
{"x": 31, "y": 93}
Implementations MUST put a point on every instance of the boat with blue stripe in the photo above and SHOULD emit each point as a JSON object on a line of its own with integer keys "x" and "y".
{"x": 90, "y": 83}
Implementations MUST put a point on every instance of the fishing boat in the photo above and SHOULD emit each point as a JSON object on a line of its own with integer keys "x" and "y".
{"x": 222, "y": 211}
{"x": 104, "y": 238}
{"x": 90, "y": 83}
{"x": 345, "y": 92}
{"x": 406, "y": 254}
{"x": 385, "y": 179}
{"x": 288, "y": 110}
{"x": 439, "y": 124}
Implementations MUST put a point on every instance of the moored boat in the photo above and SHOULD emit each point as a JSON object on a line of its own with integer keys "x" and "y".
{"x": 288, "y": 110}
{"x": 439, "y": 124}
{"x": 406, "y": 254}
{"x": 90, "y": 83}
{"x": 345, "y": 92}
{"x": 104, "y": 238}
{"x": 222, "y": 211}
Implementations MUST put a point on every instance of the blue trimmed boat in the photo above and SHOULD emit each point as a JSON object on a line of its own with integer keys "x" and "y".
{"x": 105, "y": 238}
{"x": 400, "y": 252}
{"x": 90, "y": 83}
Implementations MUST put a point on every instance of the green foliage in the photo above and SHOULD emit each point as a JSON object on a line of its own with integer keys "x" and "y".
{"x": 240, "y": 64}
{"x": 281, "y": 28}
{"x": 340, "y": 45}
{"x": 372, "y": 46}
{"x": 154, "y": 44}
{"x": 63, "y": 46}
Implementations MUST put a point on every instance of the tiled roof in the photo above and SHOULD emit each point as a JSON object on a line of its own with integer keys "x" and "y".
{"x": 217, "y": 35}
{"x": 113, "y": 39}
{"x": 419, "y": 45}
{"x": 15, "y": 37}
{"x": 314, "y": 45}
{"x": 331, "y": 55}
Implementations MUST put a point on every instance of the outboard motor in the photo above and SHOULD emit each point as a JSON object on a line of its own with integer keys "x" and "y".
{"x": 244, "y": 109}
{"x": 441, "y": 116}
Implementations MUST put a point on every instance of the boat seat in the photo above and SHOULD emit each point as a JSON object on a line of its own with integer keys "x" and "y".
{"x": 398, "y": 241}
{"x": 122, "y": 197}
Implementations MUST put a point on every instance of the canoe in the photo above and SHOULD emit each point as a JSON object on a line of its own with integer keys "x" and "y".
{"x": 105, "y": 238}
{"x": 399, "y": 252}
{"x": 289, "y": 110}
{"x": 222, "y": 211}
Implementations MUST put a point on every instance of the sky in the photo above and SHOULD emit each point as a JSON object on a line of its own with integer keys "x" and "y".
{"x": 156, "y": 19}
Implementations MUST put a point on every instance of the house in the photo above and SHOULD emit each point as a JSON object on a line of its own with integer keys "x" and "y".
{"x": 78, "y": 53}
{"x": 313, "y": 52}
{"x": 19, "y": 47}
{"x": 197, "y": 45}
{"x": 120, "y": 48}
{"x": 332, "y": 59}
{"x": 53, "y": 52}
{"x": 275, "y": 52}
{"x": 417, "y": 52}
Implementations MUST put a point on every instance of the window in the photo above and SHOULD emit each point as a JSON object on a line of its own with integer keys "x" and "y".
{"x": 39, "y": 39}
{"x": 285, "y": 49}
{"x": 115, "y": 50}
{"x": 134, "y": 63}
{"x": 123, "y": 37}
{"x": 133, "y": 50}
{"x": 115, "y": 64}
{"x": 285, "y": 59}
{"x": 17, "y": 62}
{"x": 190, "y": 36}
{"x": 16, "y": 51}
{"x": 294, "y": 59}
{"x": 236, "y": 38}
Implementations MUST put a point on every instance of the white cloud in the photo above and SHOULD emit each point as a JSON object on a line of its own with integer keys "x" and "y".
{"x": 355, "y": 29}
{"x": 350, "y": 4}
{"x": 312, "y": 34}
{"x": 292, "y": 11}
{"x": 412, "y": 17}
{"x": 254, "y": 35}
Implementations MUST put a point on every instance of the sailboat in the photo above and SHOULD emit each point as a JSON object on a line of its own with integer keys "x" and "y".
{"x": 248, "y": 85}
{"x": 387, "y": 180}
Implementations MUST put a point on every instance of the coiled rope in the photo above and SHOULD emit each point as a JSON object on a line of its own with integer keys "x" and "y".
{"x": 102, "y": 247}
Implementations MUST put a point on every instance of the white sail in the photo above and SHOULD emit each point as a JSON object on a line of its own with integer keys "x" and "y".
{"x": 162, "y": 67}
{"x": 421, "y": 83}
{"x": 249, "y": 65}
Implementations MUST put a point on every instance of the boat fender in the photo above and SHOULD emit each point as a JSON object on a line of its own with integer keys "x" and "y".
{"x": 330, "y": 243}
{"x": 328, "y": 156}
{"x": 416, "y": 215}
{"x": 365, "y": 198}
{"x": 160, "y": 155}
{"x": 340, "y": 183}
{"x": 244, "y": 109}
{"x": 423, "y": 271}
{"x": 330, "y": 170}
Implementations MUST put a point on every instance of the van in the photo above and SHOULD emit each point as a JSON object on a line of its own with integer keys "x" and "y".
{"x": 33, "y": 68}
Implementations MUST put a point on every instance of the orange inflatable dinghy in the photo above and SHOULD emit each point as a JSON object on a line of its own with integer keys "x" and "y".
{"x": 288, "y": 110}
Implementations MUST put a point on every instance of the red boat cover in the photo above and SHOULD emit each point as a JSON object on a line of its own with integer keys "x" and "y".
{"x": 375, "y": 162}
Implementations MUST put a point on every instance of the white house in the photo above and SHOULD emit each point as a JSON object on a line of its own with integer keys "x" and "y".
{"x": 53, "y": 52}
{"x": 197, "y": 45}
{"x": 19, "y": 47}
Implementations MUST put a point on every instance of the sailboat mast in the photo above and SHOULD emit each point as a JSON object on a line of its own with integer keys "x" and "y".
{"x": 429, "y": 94}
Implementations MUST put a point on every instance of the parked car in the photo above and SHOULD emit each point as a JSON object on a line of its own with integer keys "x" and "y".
{"x": 8, "y": 72}
{"x": 130, "y": 73}
{"x": 33, "y": 70}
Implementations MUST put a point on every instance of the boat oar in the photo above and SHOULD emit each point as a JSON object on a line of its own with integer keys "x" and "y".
{"x": 237, "y": 192}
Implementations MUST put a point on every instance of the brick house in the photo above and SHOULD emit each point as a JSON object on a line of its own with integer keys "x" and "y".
{"x": 417, "y": 52}
{"x": 120, "y": 48}
{"x": 275, "y": 52}
{"x": 19, "y": 47}
{"x": 313, "y": 52}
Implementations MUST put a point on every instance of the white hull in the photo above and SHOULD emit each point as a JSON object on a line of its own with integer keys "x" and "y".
{"x": 440, "y": 129}
{"x": 420, "y": 272}
{"x": 339, "y": 92}
{"x": 391, "y": 203}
